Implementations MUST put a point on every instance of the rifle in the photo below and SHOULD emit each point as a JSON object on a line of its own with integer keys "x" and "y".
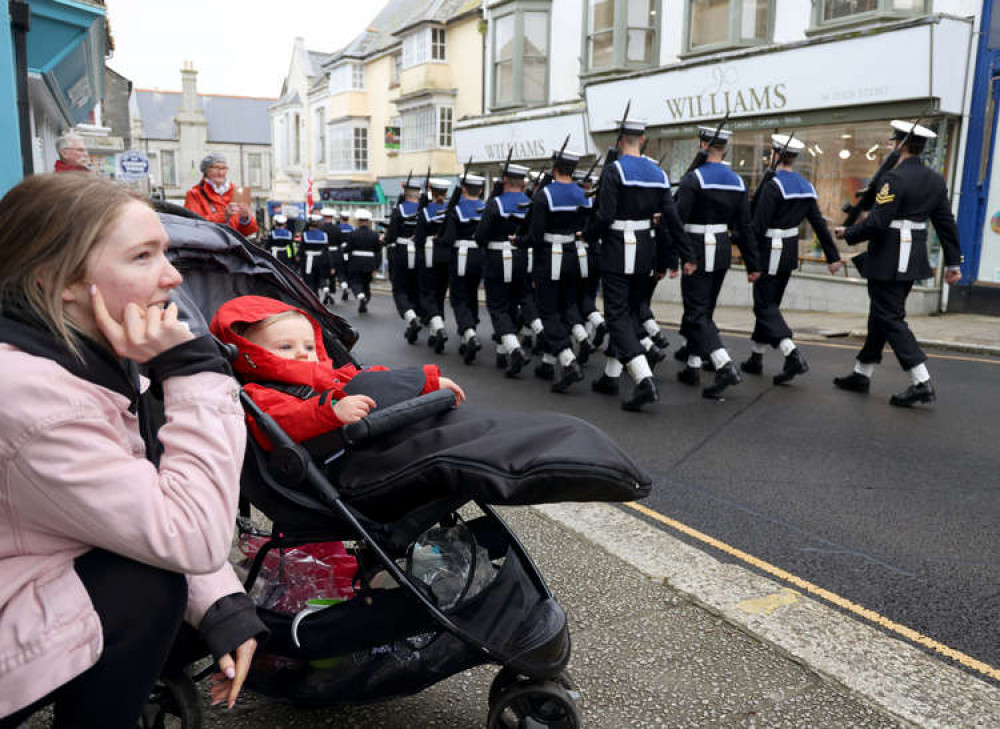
{"x": 769, "y": 174}
{"x": 542, "y": 183}
{"x": 593, "y": 167}
{"x": 498, "y": 183}
{"x": 866, "y": 196}
{"x": 702, "y": 154}
{"x": 425, "y": 195}
{"x": 402, "y": 192}
{"x": 456, "y": 194}
{"x": 612, "y": 154}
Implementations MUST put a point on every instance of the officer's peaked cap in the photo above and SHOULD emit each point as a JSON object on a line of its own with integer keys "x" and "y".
{"x": 902, "y": 128}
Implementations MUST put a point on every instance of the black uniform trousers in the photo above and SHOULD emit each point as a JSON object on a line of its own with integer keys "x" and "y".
{"x": 770, "y": 327}
{"x": 433, "y": 286}
{"x": 589, "y": 286}
{"x": 360, "y": 282}
{"x": 557, "y": 308}
{"x": 405, "y": 281}
{"x": 504, "y": 300}
{"x": 141, "y": 609}
{"x": 623, "y": 298}
{"x": 315, "y": 268}
{"x": 646, "y": 311}
{"x": 887, "y": 323}
{"x": 463, "y": 291}
{"x": 700, "y": 291}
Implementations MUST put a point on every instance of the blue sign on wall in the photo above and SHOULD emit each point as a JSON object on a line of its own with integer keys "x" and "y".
{"x": 132, "y": 165}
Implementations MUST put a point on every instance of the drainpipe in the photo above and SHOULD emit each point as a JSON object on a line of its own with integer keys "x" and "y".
{"x": 20, "y": 23}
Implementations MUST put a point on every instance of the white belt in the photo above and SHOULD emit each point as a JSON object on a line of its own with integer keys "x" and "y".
{"x": 310, "y": 255}
{"x": 778, "y": 236}
{"x": 429, "y": 251}
{"x": 557, "y": 241}
{"x": 709, "y": 232}
{"x": 507, "y": 254}
{"x": 531, "y": 259}
{"x": 275, "y": 250}
{"x": 463, "y": 247}
{"x": 629, "y": 227}
{"x": 366, "y": 254}
{"x": 905, "y": 228}
{"x": 411, "y": 251}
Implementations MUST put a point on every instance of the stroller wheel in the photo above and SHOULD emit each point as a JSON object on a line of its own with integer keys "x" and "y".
{"x": 173, "y": 704}
{"x": 518, "y": 703}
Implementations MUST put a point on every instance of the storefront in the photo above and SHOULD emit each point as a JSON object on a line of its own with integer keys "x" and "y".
{"x": 836, "y": 93}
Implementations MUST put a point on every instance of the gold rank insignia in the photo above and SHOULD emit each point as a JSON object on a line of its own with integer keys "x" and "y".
{"x": 884, "y": 196}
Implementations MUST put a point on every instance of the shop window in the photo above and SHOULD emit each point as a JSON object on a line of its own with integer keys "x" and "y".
{"x": 716, "y": 24}
{"x": 520, "y": 58}
{"x": 621, "y": 33}
{"x": 168, "y": 167}
{"x": 834, "y": 12}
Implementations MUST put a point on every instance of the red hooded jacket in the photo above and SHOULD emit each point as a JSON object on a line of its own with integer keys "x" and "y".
{"x": 301, "y": 419}
{"x": 204, "y": 200}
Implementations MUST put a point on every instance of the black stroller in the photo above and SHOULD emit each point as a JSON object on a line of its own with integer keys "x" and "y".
{"x": 397, "y": 635}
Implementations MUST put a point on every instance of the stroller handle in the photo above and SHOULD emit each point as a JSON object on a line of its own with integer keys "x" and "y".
{"x": 397, "y": 416}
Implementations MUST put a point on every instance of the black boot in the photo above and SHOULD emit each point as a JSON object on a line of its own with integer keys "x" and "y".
{"x": 644, "y": 393}
{"x": 362, "y": 304}
{"x": 412, "y": 330}
{"x": 689, "y": 376}
{"x": 585, "y": 349}
{"x": 469, "y": 349}
{"x": 545, "y": 371}
{"x": 854, "y": 382}
{"x": 923, "y": 392}
{"x": 605, "y": 385}
{"x": 681, "y": 355}
{"x": 724, "y": 377}
{"x": 754, "y": 364}
{"x": 436, "y": 340}
{"x": 517, "y": 360}
{"x": 660, "y": 339}
{"x": 503, "y": 361}
{"x": 343, "y": 295}
{"x": 600, "y": 332}
{"x": 655, "y": 355}
{"x": 795, "y": 364}
{"x": 571, "y": 374}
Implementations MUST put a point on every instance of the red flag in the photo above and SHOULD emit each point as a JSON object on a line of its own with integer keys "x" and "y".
{"x": 309, "y": 196}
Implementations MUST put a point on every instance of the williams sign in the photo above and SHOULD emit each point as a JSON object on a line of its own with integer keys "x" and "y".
{"x": 737, "y": 102}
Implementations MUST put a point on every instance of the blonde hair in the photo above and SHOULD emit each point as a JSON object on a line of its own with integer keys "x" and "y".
{"x": 247, "y": 330}
{"x": 49, "y": 224}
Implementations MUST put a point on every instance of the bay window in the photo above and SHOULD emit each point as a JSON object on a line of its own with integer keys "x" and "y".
{"x": 520, "y": 56}
{"x": 621, "y": 34}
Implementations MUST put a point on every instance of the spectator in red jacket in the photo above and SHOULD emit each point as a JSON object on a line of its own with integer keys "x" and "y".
{"x": 279, "y": 343}
{"x": 212, "y": 198}
{"x": 72, "y": 153}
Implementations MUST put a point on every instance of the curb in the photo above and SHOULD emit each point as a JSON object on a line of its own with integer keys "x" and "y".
{"x": 869, "y": 664}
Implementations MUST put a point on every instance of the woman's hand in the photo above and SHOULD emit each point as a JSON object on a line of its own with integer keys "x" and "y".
{"x": 352, "y": 408}
{"x": 226, "y": 684}
{"x": 144, "y": 333}
{"x": 446, "y": 383}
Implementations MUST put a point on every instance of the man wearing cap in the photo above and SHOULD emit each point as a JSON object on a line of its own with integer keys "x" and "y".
{"x": 896, "y": 228}
{"x": 633, "y": 189}
{"x": 401, "y": 249}
{"x": 281, "y": 243}
{"x": 560, "y": 263}
{"x": 316, "y": 257}
{"x": 433, "y": 258}
{"x": 212, "y": 198}
{"x": 712, "y": 201}
{"x": 339, "y": 259}
{"x": 465, "y": 268}
{"x": 505, "y": 268}
{"x": 778, "y": 210}
{"x": 363, "y": 252}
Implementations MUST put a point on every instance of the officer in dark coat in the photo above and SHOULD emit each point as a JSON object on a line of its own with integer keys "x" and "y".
{"x": 315, "y": 257}
{"x": 433, "y": 257}
{"x": 633, "y": 189}
{"x": 465, "y": 268}
{"x": 560, "y": 265}
{"x": 281, "y": 243}
{"x": 401, "y": 249}
{"x": 712, "y": 201}
{"x": 908, "y": 197}
{"x": 363, "y": 252}
{"x": 505, "y": 267}
{"x": 778, "y": 210}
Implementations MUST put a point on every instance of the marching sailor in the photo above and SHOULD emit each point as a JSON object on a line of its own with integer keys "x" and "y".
{"x": 909, "y": 196}
{"x": 779, "y": 209}
{"x": 596, "y": 327}
{"x": 281, "y": 243}
{"x": 633, "y": 189}
{"x": 712, "y": 201}
{"x": 432, "y": 263}
{"x": 401, "y": 250}
{"x": 340, "y": 260}
{"x": 466, "y": 264}
{"x": 315, "y": 257}
{"x": 363, "y": 254}
{"x": 560, "y": 264}
{"x": 505, "y": 268}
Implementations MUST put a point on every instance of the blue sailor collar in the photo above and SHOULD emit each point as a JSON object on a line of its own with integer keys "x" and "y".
{"x": 408, "y": 208}
{"x": 641, "y": 172}
{"x": 565, "y": 196}
{"x": 346, "y": 228}
{"x": 434, "y": 212}
{"x": 717, "y": 176}
{"x": 281, "y": 234}
{"x": 507, "y": 204}
{"x": 468, "y": 210}
{"x": 793, "y": 185}
{"x": 314, "y": 236}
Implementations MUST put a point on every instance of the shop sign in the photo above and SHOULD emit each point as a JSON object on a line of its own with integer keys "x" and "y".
{"x": 912, "y": 63}
{"x": 132, "y": 165}
{"x": 525, "y": 140}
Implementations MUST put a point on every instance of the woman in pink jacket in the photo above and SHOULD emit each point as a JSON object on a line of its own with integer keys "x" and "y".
{"x": 103, "y": 552}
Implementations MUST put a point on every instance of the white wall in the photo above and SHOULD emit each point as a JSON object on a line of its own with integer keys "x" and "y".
{"x": 565, "y": 50}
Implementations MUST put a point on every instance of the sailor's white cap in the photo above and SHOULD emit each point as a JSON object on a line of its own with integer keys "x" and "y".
{"x": 328, "y": 213}
{"x": 567, "y": 156}
{"x": 280, "y": 219}
{"x": 902, "y": 128}
{"x": 314, "y": 218}
{"x": 707, "y": 134}
{"x": 516, "y": 171}
{"x": 438, "y": 183}
{"x": 363, "y": 215}
{"x": 787, "y": 143}
{"x": 345, "y": 213}
{"x": 474, "y": 180}
{"x": 633, "y": 126}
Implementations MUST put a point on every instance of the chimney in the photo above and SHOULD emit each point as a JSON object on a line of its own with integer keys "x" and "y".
{"x": 189, "y": 86}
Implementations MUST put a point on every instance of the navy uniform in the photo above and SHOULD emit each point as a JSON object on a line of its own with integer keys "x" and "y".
{"x": 909, "y": 196}
{"x": 432, "y": 263}
{"x": 633, "y": 189}
{"x": 333, "y": 243}
{"x": 505, "y": 267}
{"x": 596, "y": 327}
{"x": 779, "y": 208}
{"x": 713, "y": 205}
{"x": 362, "y": 250}
{"x": 315, "y": 257}
{"x": 560, "y": 265}
{"x": 465, "y": 266}
{"x": 281, "y": 243}
{"x": 339, "y": 258}
{"x": 401, "y": 249}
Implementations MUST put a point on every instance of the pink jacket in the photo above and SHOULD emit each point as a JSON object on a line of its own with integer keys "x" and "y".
{"x": 73, "y": 476}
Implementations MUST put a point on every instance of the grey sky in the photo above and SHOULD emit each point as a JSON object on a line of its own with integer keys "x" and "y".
{"x": 239, "y": 47}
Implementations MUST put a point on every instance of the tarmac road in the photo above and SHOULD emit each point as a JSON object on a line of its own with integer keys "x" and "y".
{"x": 895, "y": 510}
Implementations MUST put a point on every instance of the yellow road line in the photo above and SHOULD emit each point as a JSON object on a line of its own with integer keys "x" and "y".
{"x": 841, "y": 602}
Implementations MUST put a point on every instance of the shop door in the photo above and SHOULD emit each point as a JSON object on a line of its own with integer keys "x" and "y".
{"x": 989, "y": 178}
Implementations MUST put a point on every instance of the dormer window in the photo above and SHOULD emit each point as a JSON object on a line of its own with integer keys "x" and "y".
{"x": 423, "y": 45}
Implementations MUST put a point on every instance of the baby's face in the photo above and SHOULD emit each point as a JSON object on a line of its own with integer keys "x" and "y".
{"x": 291, "y": 338}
